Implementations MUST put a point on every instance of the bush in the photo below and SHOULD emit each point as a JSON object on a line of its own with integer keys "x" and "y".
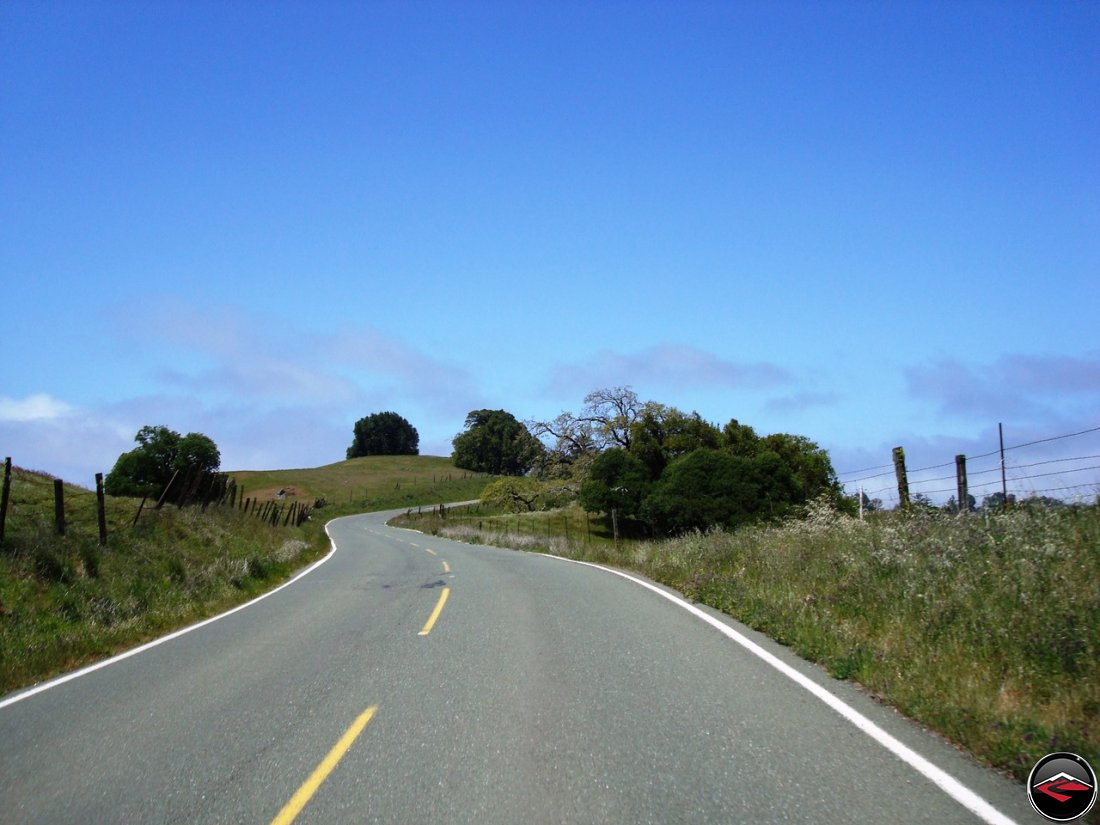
{"x": 711, "y": 488}
{"x": 617, "y": 480}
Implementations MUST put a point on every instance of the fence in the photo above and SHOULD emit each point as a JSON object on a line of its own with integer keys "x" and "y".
{"x": 1063, "y": 468}
{"x": 190, "y": 488}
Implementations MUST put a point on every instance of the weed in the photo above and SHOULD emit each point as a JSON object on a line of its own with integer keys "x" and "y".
{"x": 985, "y": 627}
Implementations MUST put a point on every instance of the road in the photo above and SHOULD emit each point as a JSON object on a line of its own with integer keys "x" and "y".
{"x": 412, "y": 679}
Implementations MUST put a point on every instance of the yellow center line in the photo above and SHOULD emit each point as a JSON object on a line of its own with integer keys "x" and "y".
{"x": 429, "y": 550}
{"x": 446, "y": 567}
{"x": 310, "y": 786}
{"x": 435, "y": 613}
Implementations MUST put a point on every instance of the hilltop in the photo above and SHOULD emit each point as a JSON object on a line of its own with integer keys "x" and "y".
{"x": 370, "y": 483}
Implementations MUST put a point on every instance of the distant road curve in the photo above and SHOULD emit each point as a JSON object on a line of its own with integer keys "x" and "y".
{"x": 408, "y": 678}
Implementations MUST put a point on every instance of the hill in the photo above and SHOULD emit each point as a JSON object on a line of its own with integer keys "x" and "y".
{"x": 371, "y": 483}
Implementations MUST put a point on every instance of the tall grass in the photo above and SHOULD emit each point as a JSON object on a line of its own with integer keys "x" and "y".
{"x": 984, "y": 627}
{"x": 65, "y": 601}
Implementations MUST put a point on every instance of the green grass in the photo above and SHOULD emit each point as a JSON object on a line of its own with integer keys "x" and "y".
{"x": 65, "y": 601}
{"x": 985, "y": 628}
{"x": 374, "y": 483}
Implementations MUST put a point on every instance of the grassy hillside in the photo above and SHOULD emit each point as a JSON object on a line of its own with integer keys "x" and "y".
{"x": 371, "y": 483}
{"x": 65, "y": 601}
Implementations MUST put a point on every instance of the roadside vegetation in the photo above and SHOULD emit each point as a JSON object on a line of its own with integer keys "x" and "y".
{"x": 66, "y": 601}
{"x": 983, "y": 626}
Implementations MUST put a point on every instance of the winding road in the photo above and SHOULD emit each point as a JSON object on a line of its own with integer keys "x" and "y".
{"x": 410, "y": 679}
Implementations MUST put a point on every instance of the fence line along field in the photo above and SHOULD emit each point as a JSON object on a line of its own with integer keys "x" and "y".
{"x": 66, "y": 600}
{"x": 1064, "y": 467}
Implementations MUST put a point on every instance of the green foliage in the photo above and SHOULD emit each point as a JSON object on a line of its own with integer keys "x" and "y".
{"x": 711, "y": 488}
{"x": 624, "y": 452}
{"x": 514, "y": 494}
{"x": 384, "y": 433}
{"x": 617, "y": 480}
{"x": 662, "y": 434}
{"x": 740, "y": 439}
{"x": 147, "y": 469}
{"x": 809, "y": 463}
{"x": 495, "y": 442}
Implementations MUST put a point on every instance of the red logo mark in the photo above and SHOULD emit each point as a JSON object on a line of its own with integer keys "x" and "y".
{"x": 1062, "y": 787}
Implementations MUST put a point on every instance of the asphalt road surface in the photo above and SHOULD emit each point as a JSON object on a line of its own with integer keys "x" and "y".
{"x": 409, "y": 679}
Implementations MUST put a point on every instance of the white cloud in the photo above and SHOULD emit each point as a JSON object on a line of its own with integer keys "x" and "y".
{"x": 37, "y": 407}
{"x": 668, "y": 366}
{"x": 235, "y": 354}
{"x": 1031, "y": 388}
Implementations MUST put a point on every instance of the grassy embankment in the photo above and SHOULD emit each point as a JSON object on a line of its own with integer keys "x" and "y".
{"x": 985, "y": 627}
{"x": 66, "y": 602}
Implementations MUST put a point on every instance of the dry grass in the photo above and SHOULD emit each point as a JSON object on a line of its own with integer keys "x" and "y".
{"x": 985, "y": 627}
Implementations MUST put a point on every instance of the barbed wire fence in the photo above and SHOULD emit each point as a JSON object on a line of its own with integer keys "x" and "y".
{"x": 1019, "y": 472}
{"x": 82, "y": 510}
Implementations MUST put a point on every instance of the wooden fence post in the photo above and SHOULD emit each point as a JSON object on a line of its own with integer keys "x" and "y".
{"x": 101, "y": 509}
{"x": 141, "y": 507}
{"x": 59, "y": 505}
{"x": 960, "y": 477}
{"x": 4, "y": 496}
{"x": 164, "y": 494}
{"x": 903, "y": 479}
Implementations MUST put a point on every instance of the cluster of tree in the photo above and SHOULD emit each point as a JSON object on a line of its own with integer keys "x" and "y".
{"x": 384, "y": 433}
{"x": 148, "y": 468}
{"x": 670, "y": 470}
{"x": 676, "y": 472}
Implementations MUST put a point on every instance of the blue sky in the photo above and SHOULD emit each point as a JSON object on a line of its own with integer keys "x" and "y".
{"x": 873, "y": 224}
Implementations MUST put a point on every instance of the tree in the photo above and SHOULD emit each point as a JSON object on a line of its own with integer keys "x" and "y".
{"x": 872, "y": 505}
{"x": 384, "y": 433}
{"x": 740, "y": 439}
{"x": 611, "y": 412}
{"x": 147, "y": 469}
{"x": 661, "y": 434}
{"x": 997, "y": 501}
{"x": 617, "y": 480}
{"x": 810, "y": 464}
{"x": 712, "y": 488}
{"x": 495, "y": 442}
{"x": 515, "y": 494}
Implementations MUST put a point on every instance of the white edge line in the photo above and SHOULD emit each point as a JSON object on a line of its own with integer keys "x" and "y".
{"x": 76, "y": 674}
{"x": 947, "y": 783}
